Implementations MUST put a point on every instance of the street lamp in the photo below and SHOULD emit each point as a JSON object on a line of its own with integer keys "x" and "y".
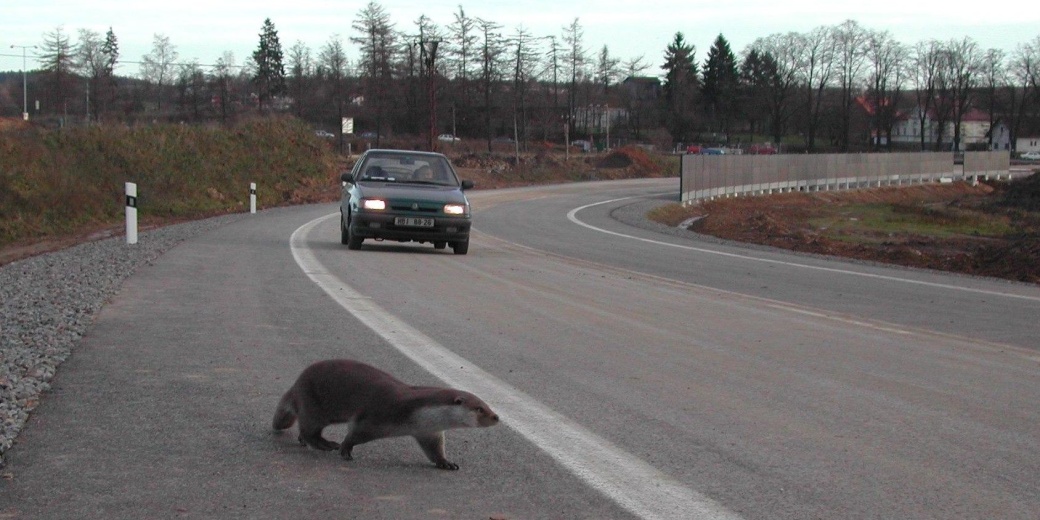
{"x": 25, "y": 87}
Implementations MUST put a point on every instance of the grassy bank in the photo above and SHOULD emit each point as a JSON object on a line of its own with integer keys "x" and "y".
{"x": 60, "y": 183}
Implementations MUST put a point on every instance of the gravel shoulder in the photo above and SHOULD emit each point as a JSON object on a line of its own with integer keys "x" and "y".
{"x": 48, "y": 301}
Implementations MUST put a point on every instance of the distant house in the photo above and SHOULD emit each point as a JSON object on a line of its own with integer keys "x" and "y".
{"x": 1001, "y": 136}
{"x": 642, "y": 88}
{"x": 975, "y": 130}
{"x": 1027, "y": 144}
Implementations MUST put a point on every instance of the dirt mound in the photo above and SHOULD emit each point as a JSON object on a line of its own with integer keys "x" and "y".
{"x": 630, "y": 157}
{"x": 1024, "y": 193}
{"x": 806, "y": 222}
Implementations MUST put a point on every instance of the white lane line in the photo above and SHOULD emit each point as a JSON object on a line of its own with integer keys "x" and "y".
{"x": 572, "y": 216}
{"x": 627, "y": 480}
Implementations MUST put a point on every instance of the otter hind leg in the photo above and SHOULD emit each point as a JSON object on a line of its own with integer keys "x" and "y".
{"x": 312, "y": 437}
{"x": 433, "y": 446}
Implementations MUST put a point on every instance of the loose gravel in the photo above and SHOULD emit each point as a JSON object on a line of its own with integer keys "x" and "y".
{"x": 47, "y": 302}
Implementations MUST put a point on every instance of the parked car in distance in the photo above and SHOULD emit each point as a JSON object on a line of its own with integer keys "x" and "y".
{"x": 406, "y": 196}
{"x": 1031, "y": 156}
{"x": 694, "y": 149}
{"x": 713, "y": 151}
{"x": 449, "y": 138}
{"x": 761, "y": 149}
{"x": 583, "y": 144}
{"x": 323, "y": 134}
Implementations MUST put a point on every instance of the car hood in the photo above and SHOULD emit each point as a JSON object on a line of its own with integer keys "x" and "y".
{"x": 405, "y": 191}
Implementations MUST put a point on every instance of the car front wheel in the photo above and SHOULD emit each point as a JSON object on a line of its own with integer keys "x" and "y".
{"x": 346, "y": 237}
{"x": 461, "y": 247}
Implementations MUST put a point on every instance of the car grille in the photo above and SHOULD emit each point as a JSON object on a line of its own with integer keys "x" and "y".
{"x": 419, "y": 208}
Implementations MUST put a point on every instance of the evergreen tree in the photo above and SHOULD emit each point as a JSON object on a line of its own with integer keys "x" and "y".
{"x": 680, "y": 88}
{"x": 269, "y": 76}
{"x": 57, "y": 61}
{"x": 110, "y": 51}
{"x": 720, "y": 85}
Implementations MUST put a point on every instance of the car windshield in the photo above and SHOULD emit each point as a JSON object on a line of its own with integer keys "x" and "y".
{"x": 412, "y": 169}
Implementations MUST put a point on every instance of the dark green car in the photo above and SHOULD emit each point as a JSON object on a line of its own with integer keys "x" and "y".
{"x": 405, "y": 196}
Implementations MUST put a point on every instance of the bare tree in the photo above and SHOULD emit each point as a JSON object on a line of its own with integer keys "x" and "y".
{"x": 462, "y": 55}
{"x": 92, "y": 63}
{"x": 377, "y": 41}
{"x": 157, "y": 67}
{"x": 552, "y": 66}
{"x": 634, "y": 66}
{"x": 525, "y": 56}
{"x": 57, "y": 61}
{"x": 994, "y": 76}
{"x": 222, "y": 80}
{"x": 191, "y": 88}
{"x": 1025, "y": 69}
{"x": 334, "y": 66}
{"x": 301, "y": 69}
{"x": 574, "y": 45}
{"x": 886, "y": 57}
{"x": 850, "y": 49}
{"x": 783, "y": 53}
{"x": 925, "y": 76}
{"x": 463, "y": 38}
{"x": 492, "y": 51}
{"x": 816, "y": 64}
{"x": 963, "y": 64}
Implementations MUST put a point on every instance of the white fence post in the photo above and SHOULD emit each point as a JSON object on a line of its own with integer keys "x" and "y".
{"x": 252, "y": 197}
{"x": 131, "y": 213}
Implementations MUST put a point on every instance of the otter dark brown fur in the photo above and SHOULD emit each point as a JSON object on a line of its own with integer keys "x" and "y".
{"x": 375, "y": 405}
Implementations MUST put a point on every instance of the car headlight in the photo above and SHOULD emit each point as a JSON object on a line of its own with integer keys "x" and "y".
{"x": 373, "y": 204}
{"x": 455, "y": 209}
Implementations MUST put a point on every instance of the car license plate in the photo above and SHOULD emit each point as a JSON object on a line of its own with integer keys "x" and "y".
{"x": 413, "y": 221}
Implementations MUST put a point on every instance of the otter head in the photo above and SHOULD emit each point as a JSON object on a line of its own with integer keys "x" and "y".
{"x": 472, "y": 412}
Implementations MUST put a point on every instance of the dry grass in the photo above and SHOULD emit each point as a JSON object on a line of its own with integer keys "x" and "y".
{"x": 991, "y": 230}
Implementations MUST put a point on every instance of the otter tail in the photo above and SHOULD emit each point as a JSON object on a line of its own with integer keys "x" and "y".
{"x": 284, "y": 415}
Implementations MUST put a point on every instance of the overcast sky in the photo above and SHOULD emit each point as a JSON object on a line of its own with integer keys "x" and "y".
{"x": 205, "y": 30}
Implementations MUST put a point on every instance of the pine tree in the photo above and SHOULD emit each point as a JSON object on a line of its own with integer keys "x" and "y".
{"x": 57, "y": 61}
{"x": 269, "y": 76}
{"x": 720, "y": 84}
{"x": 110, "y": 51}
{"x": 680, "y": 87}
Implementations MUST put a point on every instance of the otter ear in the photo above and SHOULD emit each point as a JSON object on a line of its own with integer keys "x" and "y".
{"x": 459, "y": 400}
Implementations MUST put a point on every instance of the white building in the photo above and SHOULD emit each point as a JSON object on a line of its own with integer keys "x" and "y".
{"x": 975, "y": 130}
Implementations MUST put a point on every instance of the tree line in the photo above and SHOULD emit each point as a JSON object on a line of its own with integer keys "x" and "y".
{"x": 837, "y": 87}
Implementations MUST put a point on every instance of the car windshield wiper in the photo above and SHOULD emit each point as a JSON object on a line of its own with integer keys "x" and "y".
{"x": 432, "y": 183}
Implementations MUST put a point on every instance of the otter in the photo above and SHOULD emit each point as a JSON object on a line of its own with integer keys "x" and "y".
{"x": 375, "y": 405}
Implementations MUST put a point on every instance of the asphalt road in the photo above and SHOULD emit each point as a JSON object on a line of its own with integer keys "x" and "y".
{"x": 638, "y": 374}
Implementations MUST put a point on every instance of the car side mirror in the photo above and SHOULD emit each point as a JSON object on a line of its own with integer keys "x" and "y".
{"x": 346, "y": 177}
{"x": 467, "y": 184}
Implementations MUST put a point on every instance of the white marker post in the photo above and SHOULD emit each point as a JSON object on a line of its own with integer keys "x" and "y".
{"x": 252, "y": 197}
{"x": 131, "y": 213}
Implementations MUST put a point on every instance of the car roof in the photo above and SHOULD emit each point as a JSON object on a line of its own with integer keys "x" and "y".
{"x": 414, "y": 153}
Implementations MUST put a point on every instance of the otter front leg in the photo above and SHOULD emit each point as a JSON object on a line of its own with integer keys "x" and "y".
{"x": 352, "y": 439}
{"x": 433, "y": 446}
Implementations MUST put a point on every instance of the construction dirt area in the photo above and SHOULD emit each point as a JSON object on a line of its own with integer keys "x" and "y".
{"x": 990, "y": 229}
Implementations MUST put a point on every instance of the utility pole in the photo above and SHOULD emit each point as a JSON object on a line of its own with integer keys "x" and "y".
{"x": 25, "y": 83}
{"x": 428, "y": 59}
